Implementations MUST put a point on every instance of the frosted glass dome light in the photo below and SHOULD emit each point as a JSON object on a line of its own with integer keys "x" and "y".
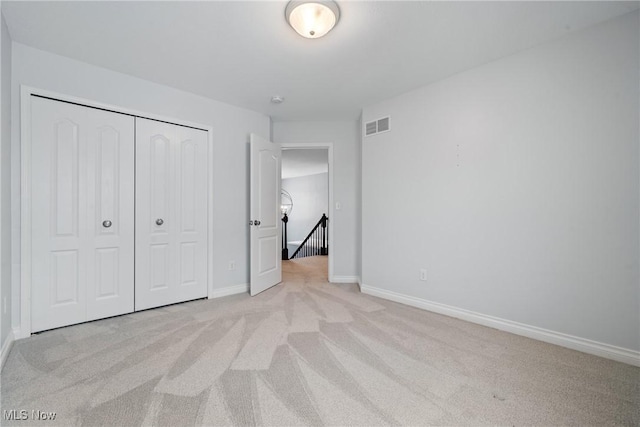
{"x": 312, "y": 19}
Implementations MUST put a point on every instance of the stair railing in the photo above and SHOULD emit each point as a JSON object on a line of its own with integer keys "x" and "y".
{"x": 285, "y": 248}
{"x": 316, "y": 243}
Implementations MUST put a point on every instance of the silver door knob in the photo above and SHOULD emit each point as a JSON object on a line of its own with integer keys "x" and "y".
{"x": 106, "y": 223}
{"x": 159, "y": 221}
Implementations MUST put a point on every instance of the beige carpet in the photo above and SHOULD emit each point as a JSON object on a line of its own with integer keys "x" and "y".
{"x": 309, "y": 353}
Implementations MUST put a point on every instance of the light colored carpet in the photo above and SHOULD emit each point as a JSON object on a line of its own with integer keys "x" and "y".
{"x": 307, "y": 352}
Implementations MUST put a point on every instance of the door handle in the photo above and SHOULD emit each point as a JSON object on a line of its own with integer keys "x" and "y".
{"x": 256, "y": 222}
{"x": 159, "y": 221}
{"x": 106, "y": 223}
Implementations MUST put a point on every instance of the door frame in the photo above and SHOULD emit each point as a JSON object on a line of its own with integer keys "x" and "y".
{"x": 24, "y": 278}
{"x": 329, "y": 147}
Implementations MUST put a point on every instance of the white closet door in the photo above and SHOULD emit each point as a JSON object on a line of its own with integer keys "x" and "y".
{"x": 171, "y": 213}
{"x": 82, "y": 175}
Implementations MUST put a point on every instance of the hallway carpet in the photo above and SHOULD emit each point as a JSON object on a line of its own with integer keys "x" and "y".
{"x": 307, "y": 352}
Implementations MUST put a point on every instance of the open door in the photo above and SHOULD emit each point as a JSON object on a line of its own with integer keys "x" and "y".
{"x": 265, "y": 221}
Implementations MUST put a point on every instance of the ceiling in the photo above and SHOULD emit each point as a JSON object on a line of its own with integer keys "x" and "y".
{"x": 303, "y": 162}
{"x": 242, "y": 53}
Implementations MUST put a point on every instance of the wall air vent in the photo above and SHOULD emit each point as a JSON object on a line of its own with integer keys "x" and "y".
{"x": 371, "y": 128}
{"x": 383, "y": 125}
{"x": 377, "y": 126}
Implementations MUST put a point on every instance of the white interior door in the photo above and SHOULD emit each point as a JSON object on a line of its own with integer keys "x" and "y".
{"x": 265, "y": 221}
{"x": 171, "y": 213}
{"x": 83, "y": 205}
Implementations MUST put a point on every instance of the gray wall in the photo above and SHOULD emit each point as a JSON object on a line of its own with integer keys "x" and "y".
{"x": 516, "y": 186}
{"x": 5, "y": 184}
{"x": 346, "y": 182}
{"x": 310, "y": 196}
{"x": 231, "y": 128}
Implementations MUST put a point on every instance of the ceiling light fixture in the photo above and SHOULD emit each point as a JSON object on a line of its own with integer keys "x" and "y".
{"x": 312, "y": 18}
{"x": 276, "y": 99}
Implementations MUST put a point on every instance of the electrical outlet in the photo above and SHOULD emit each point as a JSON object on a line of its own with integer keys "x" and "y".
{"x": 423, "y": 274}
{"x": 232, "y": 265}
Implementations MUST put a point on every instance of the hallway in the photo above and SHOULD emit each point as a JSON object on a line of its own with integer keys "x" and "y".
{"x": 308, "y": 270}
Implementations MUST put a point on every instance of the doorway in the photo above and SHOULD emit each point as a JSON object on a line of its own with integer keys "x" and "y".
{"x": 307, "y": 188}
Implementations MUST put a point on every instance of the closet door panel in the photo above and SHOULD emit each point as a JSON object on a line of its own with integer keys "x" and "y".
{"x": 192, "y": 213}
{"x": 171, "y": 213}
{"x": 153, "y": 218}
{"x": 110, "y": 174}
{"x": 58, "y": 193}
{"x": 74, "y": 261}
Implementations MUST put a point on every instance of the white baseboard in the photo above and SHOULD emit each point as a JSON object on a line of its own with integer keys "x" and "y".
{"x": 6, "y": 348}
{"x": 18, "y": 335}
{"x": 230, "y": 290}
{"x": 344, "y": 279}
{"x": 631, "y": 357}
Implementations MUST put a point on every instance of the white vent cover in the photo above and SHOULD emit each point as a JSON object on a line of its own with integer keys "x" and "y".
{"x": 383, "y": 125}
{"x": 371, "y": 128}
{"x": 377, "y": 126}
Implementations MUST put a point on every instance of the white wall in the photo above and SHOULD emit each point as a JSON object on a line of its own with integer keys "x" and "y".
{"x": 231, "y": 127}
{"x": 516, "y": 186}
{"x": 5, "y": 183}
{"x": 310, "y": 195}
{"x": 346, "y": 183}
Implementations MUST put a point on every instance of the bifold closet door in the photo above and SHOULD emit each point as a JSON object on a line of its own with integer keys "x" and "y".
{"x": 171, "y": 213}
{"x": 82, "y": 198}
